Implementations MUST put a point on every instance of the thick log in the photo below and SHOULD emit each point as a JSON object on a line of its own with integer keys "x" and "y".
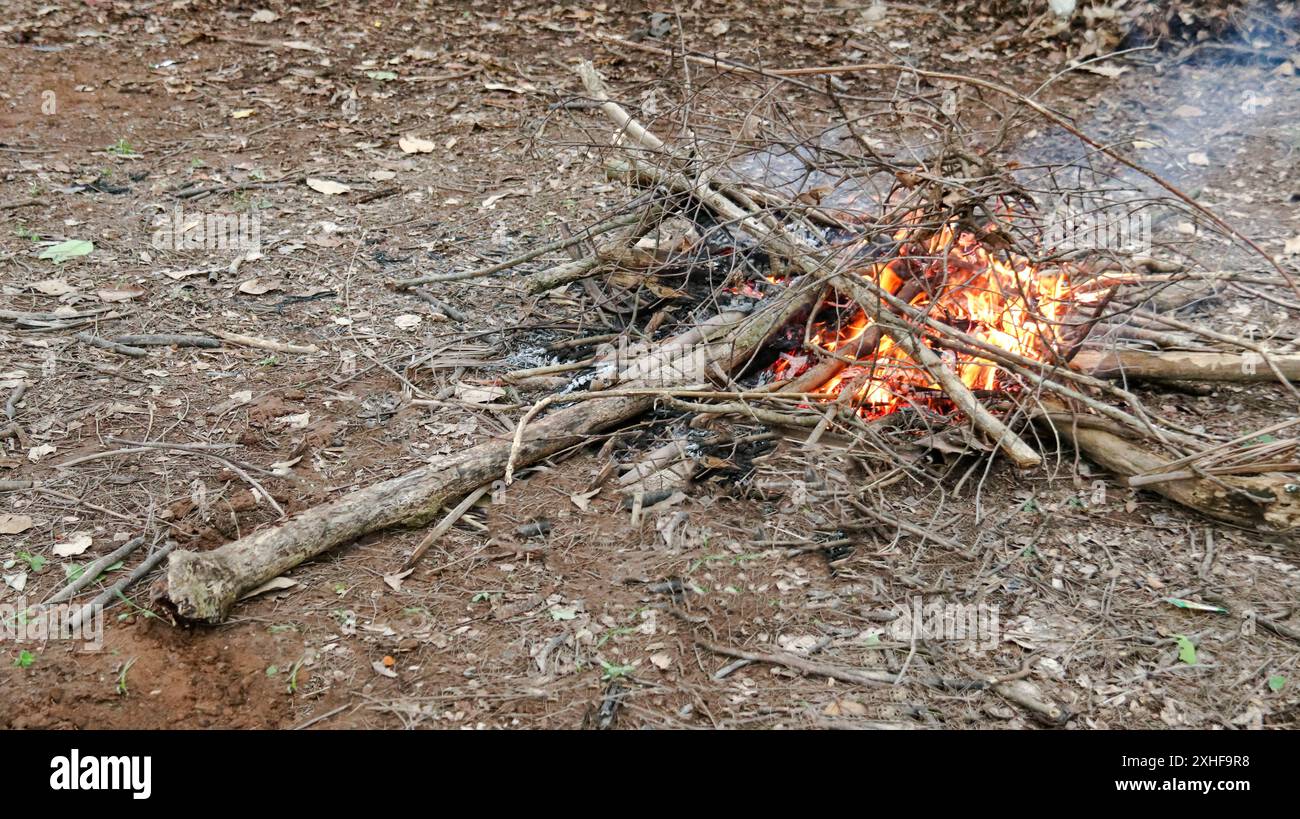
{"x": 202, "y": 586}
{"x": 1140, "y": 365}
{"x": 1267, "y": 503}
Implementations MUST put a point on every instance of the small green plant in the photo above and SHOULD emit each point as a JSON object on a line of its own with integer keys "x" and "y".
{"x": 1276, "y": 683}
{"x": 612, "y": 633}
{"x": 25, "y": 659}
{"x": 34, "y": 562}
{"x": 293, "y": 677}
{"x": 272, "y": 670}
{"x": 74, "y": 571}
{"x": 24, "y": 232}
{"x": 613, "y": 672}
{"x": 122, "y": 690}
{"x": 134, "y": 608}
{"x": 121, "y": 148}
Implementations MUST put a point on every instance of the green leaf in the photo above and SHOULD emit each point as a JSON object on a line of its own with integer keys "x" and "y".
{"x": 563, "y": 614}
{"x": 1186, "y": 649}
{"x": 70, "y": 249}
{"x": 25, "y": 659}
{"x": 613, "y": 671}
{"x": 1195, "y": 606}
{"x": 381, "y": 75}
{"x": 1276, "y": 683}
{"x": 271, "y": 671}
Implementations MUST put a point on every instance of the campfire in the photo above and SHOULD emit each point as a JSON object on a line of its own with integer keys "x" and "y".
{"x": 999, "y": 297}
{"x": 737, "y": 303}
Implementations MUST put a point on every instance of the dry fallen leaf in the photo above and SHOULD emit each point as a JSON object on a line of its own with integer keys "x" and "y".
{"x": 241, "y": 113}
{"x": 845, "y": 708}
{"x": 302, "y": 45}
{"x": 479, "y": 395}
{"x": 327, "y": 186}
{"x": 407, "y": 321}
{"x": 583, "y": 501}
{"x": 75, "y": 545}
{"x": 415, "y": 145}
{"x": 274, "y": 584}
{"x": 394, "y": 581}
{"x": 298, "y": 420}
{"x": 14, "y": 524}
{"x": 37, "y": 452}
{"x": 52, "y": 287}
{"x": 1292, "y": 246}
{"x": 1198, "y": 158}
{"x": 120, "y": 294}
{"x": 382, "y": 669}
{"x": 258, "y": 286}
{"x": 492, "y": 200}
{"x": 264, "y": 16}
{"x": 1111, "y": 71}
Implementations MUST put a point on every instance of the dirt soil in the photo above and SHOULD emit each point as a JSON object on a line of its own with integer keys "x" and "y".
{"x": 118, "y": 119}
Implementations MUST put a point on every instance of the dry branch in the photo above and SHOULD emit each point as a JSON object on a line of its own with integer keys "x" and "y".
{"x": 1140, "y": 365}
{"x": 1269, "y": 502}
{"x": 266, "y": 344}
{"x": 203, "y": 585}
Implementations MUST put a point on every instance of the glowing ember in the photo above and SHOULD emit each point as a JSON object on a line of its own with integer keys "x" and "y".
{"x": 997, "y": 297}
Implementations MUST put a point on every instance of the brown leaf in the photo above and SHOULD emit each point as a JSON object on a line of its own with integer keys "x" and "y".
{"x": 257, "y": 286}
{"x": 14, "y": 524}
{"x": 123, "y": 294}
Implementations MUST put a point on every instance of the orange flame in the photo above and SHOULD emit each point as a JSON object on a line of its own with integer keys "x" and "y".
{"x": 999, "y": 298}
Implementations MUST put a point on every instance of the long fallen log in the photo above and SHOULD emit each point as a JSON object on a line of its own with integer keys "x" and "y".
{"x": 1267, "y": 503}
{"x": 202, "y": 586}
{"x": 1140, "y": 365}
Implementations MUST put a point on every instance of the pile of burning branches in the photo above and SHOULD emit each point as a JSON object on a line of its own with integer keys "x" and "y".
{"x": 863, "y": 273}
